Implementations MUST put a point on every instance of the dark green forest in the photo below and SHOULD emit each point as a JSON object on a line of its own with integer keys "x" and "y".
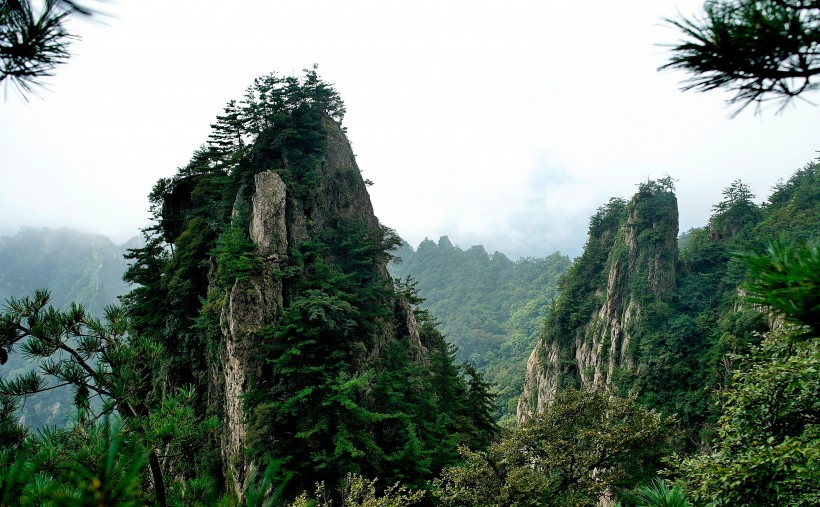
{"x": 488, "y": 306}
{"x": 264, "y": 354}
{"x": 267, "y": 347}
{"x": 715, "y": 328}
{"x": 693, "y": 315}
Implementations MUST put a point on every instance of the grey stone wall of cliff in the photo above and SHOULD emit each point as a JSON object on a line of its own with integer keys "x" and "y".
{"x": 281, "y": 220}
{"x": 640, "y": 267}
{"x": 251, "y": 304}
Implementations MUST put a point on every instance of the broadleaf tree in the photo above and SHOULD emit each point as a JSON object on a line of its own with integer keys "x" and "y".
{"x": 768, "y": 437}
{"x": 111, "y": 371}
{"x": 584, "y": 446}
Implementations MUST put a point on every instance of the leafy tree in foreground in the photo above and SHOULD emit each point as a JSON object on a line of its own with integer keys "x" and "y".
{"x": 760, "y": 50}
{"x": 768, "y": 445}
{"x": 586, "y": 445}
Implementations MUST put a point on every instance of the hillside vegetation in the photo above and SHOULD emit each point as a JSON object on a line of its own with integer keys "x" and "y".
{"x": 75, "y": 267}
{"x": 702, "y": 330}
{"x": 265, "y": 356}
{"x": 490, "y": 307}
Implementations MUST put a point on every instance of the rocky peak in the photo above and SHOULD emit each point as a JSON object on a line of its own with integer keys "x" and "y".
{"x": 629, "y": 260}
{"x": 281, "y": 218}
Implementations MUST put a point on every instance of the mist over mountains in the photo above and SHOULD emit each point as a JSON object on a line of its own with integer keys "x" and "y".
{"x": 74, "y": 266}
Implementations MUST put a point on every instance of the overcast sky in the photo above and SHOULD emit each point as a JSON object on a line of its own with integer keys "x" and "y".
{"x": 501, "y": 123}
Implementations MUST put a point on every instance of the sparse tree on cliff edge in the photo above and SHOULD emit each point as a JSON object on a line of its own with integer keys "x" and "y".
{"x": 768, "y": 437}
{"x": 760, "y": 50}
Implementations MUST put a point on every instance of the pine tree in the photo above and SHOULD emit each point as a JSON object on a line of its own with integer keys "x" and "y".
{"x": 760, "y": 50}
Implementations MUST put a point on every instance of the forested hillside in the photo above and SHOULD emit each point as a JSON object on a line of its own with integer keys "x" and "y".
{"x": 264, "y": 354}
{"x": 489, "y": 307}
{"x": 263, "y": 331}
{"x": 75, "y": 267}
{"x": 347, "y": 384}
{"x": 642, "y": 313}
{"x": 689, "y": 346}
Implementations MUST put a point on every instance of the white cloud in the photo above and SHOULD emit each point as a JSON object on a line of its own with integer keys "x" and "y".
{"x": 505, "y": 124}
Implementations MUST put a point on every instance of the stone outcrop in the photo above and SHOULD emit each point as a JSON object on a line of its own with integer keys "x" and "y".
{"x": 268, "y": 228}
{"x": 634, "y": 257}
{"x": 281, "y": 218}
{"x": 252, "y": 303}
{"x": 540, "y": 382}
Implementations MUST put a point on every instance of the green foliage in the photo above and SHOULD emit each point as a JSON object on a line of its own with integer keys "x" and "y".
{"x": 261, "y": 492}
{"x": 146, "y": 301}
{"x": 343, "y": 384}
{"x": 577, "y": 299}
{"x": 11, "y": 433}
{"x": 341, "y": 412}
{"x": 759, "y": 50}
{"x": 657, "y": 494}
{"x": 625, "y": 272}
{"x": 792, "y": 207}
{"x": 98, "y": 360}
{"x": 464, "y": 404}
{"x": 33, "y": 42}
{"x": 170, "y": 272}
{"x": 787, "y": 278}
{"x": 768, "y": 448}
{"x": 704, "y": 320}
{"x": 490, "y": 307}
{"x": 286, "y": 115}
{"x": 280, "y": 119}
{"x": 90, "y": 465}
{"x": 235, "y": 253}
{"x": 77, "y": 267}
{"x": 358, "y": 491}
{"x": 584, "y": 445}
{"x": 101, "y": 359}
{"x": 684, "y": 330}
{"x": 736, "y": 214}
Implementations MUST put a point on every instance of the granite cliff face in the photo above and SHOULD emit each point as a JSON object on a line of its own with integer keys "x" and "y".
{"x": 281, "y": 218}
{"x": 592, "y": 335}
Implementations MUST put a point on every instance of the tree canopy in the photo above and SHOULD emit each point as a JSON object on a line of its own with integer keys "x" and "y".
{"x": 768, "y": 439}
{"x": 490, "y": 307}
